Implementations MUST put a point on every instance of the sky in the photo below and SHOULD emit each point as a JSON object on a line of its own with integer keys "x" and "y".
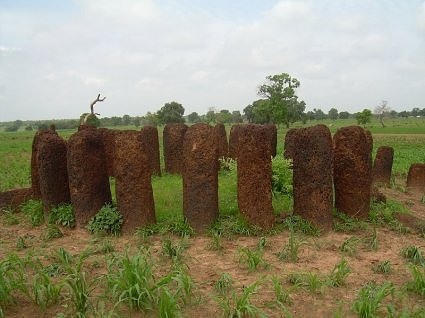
{"x": 56, "y": 56}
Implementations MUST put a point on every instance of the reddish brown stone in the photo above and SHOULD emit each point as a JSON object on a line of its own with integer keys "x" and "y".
{"x": 353, "y": 171}
{"x": 272, "y": 131}
{"x": 133, "y": 181}
{"x": 312, "y": 178}
{"x": 151, "y": 147}
{"x": 173, "y": 137}
{"x": 12, "y": 199}
{"x": 416, "y": 179}
{"x": 223, "y": 145}
{"x": 52, "y": 171}
{"x": 289, "y": 146}
{"x": 88, "y": 178}
{"x": 381, "y": 172}
{"x": 200, "y": 177}
{"x": 108, "y": 138}
{"x": 254, "y": 175}
{"x": 377, "y": 195}
{"x": 233, "y": 141}
{"x": 35, "y": 180}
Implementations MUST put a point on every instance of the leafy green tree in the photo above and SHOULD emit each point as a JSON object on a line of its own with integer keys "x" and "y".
{"x": 404, "y": 114}
{"x": 364, "y": 117}
{"x": 151, "y": 119}
{"x": 126, "y": 120}
{"x": 236, "y": 116}
{"x": 171, "y": 113}
{"x": 209, "y": 117}
{"x": 249, "y": 114}
{"x": 223, "y": 117}
{"x": 137, "y": 121}
{"x": 193, "y": 117}
{"x": 333, "y": 114}
{"x": 116, "y": 121}
{"x": 344, "y": 115}
{"x": 261, "y": 111}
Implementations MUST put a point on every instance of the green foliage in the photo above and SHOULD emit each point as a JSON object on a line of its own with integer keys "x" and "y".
{"x": 282, "y": 296}
{"x": 10, "y": 217}
{"x": 89, "y": 120}
{"x": 229, "y": 225}
{"x": 298, "y": 224}
{"x": 21, "y": 244}
{"x": 349, "y": 246}
{"x": 344, "y": 223}
{"x": 33, "y": 209}
{"x": 12, "y": 279}
{"x": 373, "y": 240}
{"x": 171, "y": 113}
{"x": 364, "y": 117}
{"x": 174, "y": 225}
{"x": 62, "y": 215}
{"x": 370, "y": 297}
{"x": 51, "y": 232}
{"x": 252, "y": 258}
{"x": 312, "y": 282}
{"x": 172, "y": 250}
{"x": 414, "y": 255}
{"x": 291, "y": 250}
{"x": 107, "y": 221}
{"x": 281, "y": 175}
{"x": 339, "y": 274}
{"x": 383, "y": 214}
{"x": 228, "y": 166}
{"x": 417, "y": 285}
{"x": 224, "y": 284}
{"x": 383, "y": 267}
{"x": 44, "y": 291}
{"x": 216, "y": 243}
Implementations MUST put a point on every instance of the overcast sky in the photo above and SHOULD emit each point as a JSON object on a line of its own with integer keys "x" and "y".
{"x": 56, "y": 56}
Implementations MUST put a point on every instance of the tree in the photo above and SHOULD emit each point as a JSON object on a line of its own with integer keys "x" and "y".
{"x": 236, "y": 116}
{"x": 381, "y": 111}
{"x": 333, "y": 114}
{"x": 403, "y": 114}
{"x": 193, "y": 117}
{"x": 223, "y": 117}
{"x": 151, "y": 119}
{"x": 261, "y": 111}
{"x": 137, "y": 121}
{"x": 282, "y": 103}
{"x": 126, "y": 120}
{"x": 209, "y": 117}
{"x": 249, "y": 114}
{"x": 319, "y": 114}
{"x": 364, "y": 117}
{"x": 116, "y": 121}
{"x": 171, "y": 113}
{"x": 344, "y": 115}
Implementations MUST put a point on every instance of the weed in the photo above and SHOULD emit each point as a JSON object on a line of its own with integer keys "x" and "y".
{"x": 62, "y": 215}
{"x": 296, "y": 223}
{"x": 175, "y": 225}
{"x": 282, "y": 175}
{"x": 282, "y": 296}
{"x": 168, "y": 305}
{"x": 45, "y": 292}
{"x": 10, "y": 217}
{"x": 64, "y": 257}
{"x": 262, "y": 243}
{"x": 372, "y": 241}
{"x": 215, "y": 244}
{"x": 51, "y": 232}
{"x": 21, "y": 244}
{"x": 33, "y": 209}
{"x": 53, "y": 270}
{"x": 414, "y": 255}
{"x": 184, "y": 284}
{"x": 417, "y": 285}
{"x": 252, "y": 258}
{"x": 105, "y": 247}
{"x": 12, "y": 279}
{"x": 229, "y": 225}
{"x": 309, "y": 281}
{"x": 173, "y": 251}
{"x": 339, "y": 274}
{"x": 383, "y": 214}
{"x": 227, "y": 165}
{"x": 383, "y": 267}
{"x": 344, "y": 223}
{"x": 224, "y": 284}
{"x": 107, "y": 221}
{"x": 370, "y": 297}
{"x": 349, "y": 246}
{"x": 291, "y": 250}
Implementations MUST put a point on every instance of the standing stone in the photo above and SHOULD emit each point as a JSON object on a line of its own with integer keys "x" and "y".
{"x": 108, "y": 137}
{"x": 151, "y": 147}
{"x": 35, "y": 179}
{"x": 52, "y": 169}
{"x": 200, "y": 177}
{"x": 272, "y": 131}
{"x": 416, "y": 179}
{"x": 223, "y": 145}
{"x": 173, "y": 137}
{"x": 133, "y": 181}
{"x": 12, "y": 199}
{"x": 353, "y": 171}
{"x": 88, "y": 178}
{"x": 233, "y": 141}
{"x": 312, "y": 177}
{"x": 290, "y": 146}
{"x": 254, "y": 175}
{"x": 381, "y": 172}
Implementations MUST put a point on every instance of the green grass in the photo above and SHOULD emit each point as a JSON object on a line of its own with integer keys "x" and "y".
{"x": 383, "y": 267}
{"x": 252, "y": 259}
{"x": 414, "y": 255}
{"x": 339, "y": 274}
{"x": 370, "y": 297}
{"x": 33, "y": 209}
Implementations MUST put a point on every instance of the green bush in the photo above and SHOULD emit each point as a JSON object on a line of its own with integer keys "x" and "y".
{"x": 281, "y": 175}
{"x": 62, "y": 215}
{"x": 33, "y": 209}
{"x": 107, "y": 221}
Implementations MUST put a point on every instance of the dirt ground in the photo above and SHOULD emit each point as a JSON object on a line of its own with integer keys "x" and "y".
{"x": 318, "y": 255}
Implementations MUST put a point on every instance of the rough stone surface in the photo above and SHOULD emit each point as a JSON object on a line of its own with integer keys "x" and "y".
{"x": 35, "y": 180}
{"x": 416, "y": 179}
{"x": 87, "y": 174}
{"x": 133, "y": 181}
{"x": 200, "y": 177}
{"x": 52, "y": 169}
{"x": 14, "y": 198}
{"x": 312, "y": 174}
{"x": 353, "y": 171}
{"x": 173, "y": 137}
{"x": 377, "y": 195}
{"x": 151, "y": 147}
{"x": 381, "y": 172}
{"x": 289, "y": 145}
{"x": 272, "y": 131}
{"x": 254, "y": 175}
{"x": 233, "y": 141}
{"x": 108, "y": 138}
{"x": 223, "y": 145}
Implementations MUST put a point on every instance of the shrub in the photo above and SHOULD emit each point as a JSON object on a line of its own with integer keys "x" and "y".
{"x": 33, "y": 209}
{"x": 51, "y": 232}
{"x": 339, "y": 274}
{"x": 62, "y": 215}
{"x": 282, "y": 175}
{"x": 107, "y": 221}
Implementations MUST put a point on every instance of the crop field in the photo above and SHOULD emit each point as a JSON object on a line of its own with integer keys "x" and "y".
{"x": 368, "y": 268}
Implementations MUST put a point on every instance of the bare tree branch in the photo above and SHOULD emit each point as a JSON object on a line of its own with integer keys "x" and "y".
{"x": 98, "y": 99}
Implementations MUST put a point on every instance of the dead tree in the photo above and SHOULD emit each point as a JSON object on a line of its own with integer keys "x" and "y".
{"x": 98, "y": 99}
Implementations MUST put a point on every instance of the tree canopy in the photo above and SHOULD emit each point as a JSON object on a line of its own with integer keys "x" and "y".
{"x": 171, "y": 113}
{"x": 364, "y": 117}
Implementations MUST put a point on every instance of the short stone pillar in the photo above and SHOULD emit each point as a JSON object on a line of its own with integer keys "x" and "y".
{"x": 200, "y": 177}
{"x": 289, "y": 145}
{"x": 233, "y": 141}
{"x": 312, "y": 176}
{"x": 87, "y": 174}
{"x": 108, "y": 137}
{"x": 381, "y": 172}
{"x": 173, "y": 136}
{"x": 52, "y": 170}
{"x": 133, "y": 181}
{"x": 12, "y": 199}
{"x": 272, "y": 131}
{"x": 416, "y": 179}
{"x": 353, "y": 171}
{"x": 223, "y": 145}
{"x": 254, "y": 175}
{"x": 35, "y": 179}
{"x": 151, "y": 148}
